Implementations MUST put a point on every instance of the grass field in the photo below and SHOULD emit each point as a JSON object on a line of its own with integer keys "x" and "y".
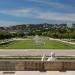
{"x": 29, "y": 44}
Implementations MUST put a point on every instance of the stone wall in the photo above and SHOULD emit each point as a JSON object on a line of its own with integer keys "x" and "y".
{"x": 45, "y": 66}
{"x": 36, "y": 66}
{"x": 7, "y": 66}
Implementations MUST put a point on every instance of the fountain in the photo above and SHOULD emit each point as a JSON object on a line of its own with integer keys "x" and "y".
{"x": 52, "y": 58}
{"x": 38, "y": 40}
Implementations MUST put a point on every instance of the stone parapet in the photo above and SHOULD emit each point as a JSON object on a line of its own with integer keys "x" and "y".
{"x": 36, "y": 65}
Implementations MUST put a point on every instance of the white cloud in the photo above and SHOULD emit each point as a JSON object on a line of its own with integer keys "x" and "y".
{"x": 34, "y": 13}
{"x": 57, "y": 16}
{"x": 8, "y": 23}
{"x": 54, "y": 4}
{"x": 16, "y": 12}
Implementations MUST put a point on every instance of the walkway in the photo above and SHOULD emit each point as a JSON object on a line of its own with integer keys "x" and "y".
{"x": 62, "y": 41}
{"x": 15, "y": 52}
{"x": 41, "y": 73}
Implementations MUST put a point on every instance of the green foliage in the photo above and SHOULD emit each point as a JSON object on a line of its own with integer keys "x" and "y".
{"x": 54, "y": 31}
{"x": 20, "y": 34}
{"x": 5, "y": 35}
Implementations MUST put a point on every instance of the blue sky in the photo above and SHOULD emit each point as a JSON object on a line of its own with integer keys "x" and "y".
{"x": 14, "y": 12}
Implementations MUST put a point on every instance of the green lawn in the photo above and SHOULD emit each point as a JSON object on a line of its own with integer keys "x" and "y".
{"x": 29, "y": 44}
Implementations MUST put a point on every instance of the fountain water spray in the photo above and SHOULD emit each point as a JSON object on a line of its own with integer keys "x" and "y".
{"x": 38, "y": 40}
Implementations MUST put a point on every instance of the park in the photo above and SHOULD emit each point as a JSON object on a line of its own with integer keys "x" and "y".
{"x": 30, "y": 43}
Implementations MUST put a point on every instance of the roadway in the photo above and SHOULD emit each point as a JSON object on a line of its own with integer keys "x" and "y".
{"x": 33, "y": 52}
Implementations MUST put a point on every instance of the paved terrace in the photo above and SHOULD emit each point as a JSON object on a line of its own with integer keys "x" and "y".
{"x": 34, "y": 52}
{"x": 40, "y": 73}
